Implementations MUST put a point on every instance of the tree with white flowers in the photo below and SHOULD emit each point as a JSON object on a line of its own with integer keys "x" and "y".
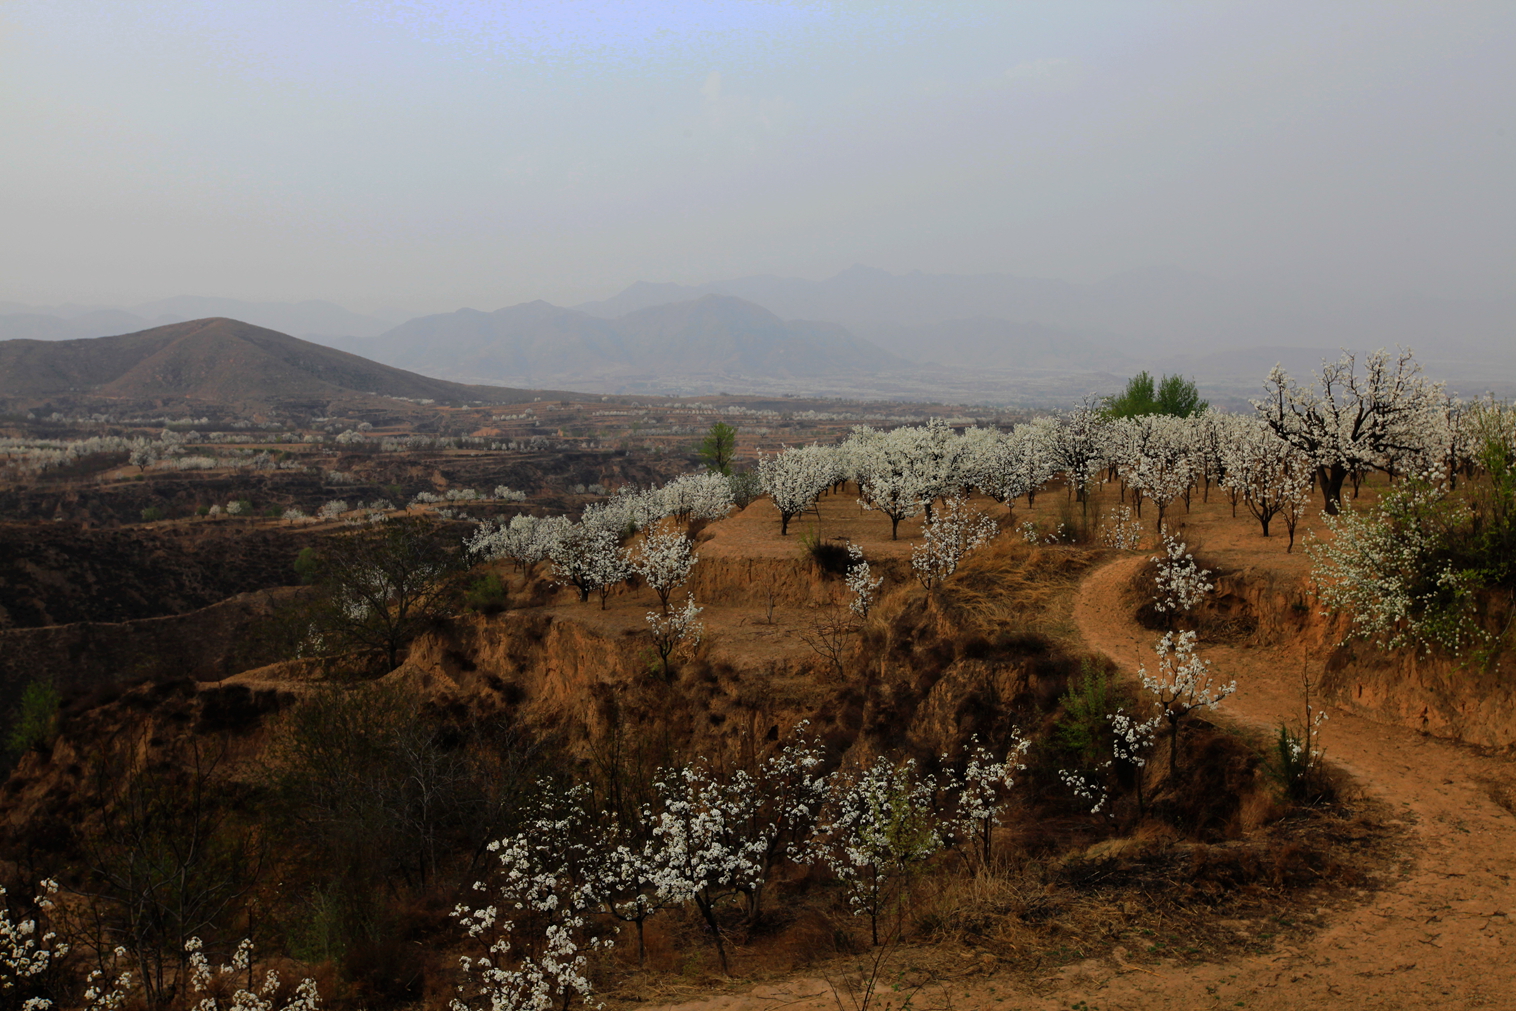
{"x": 861, "y": 582}
{"x": 1350, "y": 422}
{"x": 663, "y": 558}
{"x": 786, "y": 790}
{"x": 1181, "y": 684}
{"x": 540, "y": 920}
{"x": 890, "y": 472}
{"x": 202, "y": 977}
{"x": 955, "y": 532}
{"x": 1181, "y": 582}
{"x": 24, "y": 952}
{"x": 704, "y": 851}
{"x": 1272, "y": 476}
{"x": 877, "y": 829}
{"x": 795, "y": 477}
{"x": 588, "y": 557}
{"x": 706, "y": 496}
{"x": 1076, "y": 449}
{"x": 1017, "y": 464}
{"x": 983, "y": 789}
{"x": 675, "y": 631}
{"x": 1160, "y": 459}
{"x": 524, "y": 540}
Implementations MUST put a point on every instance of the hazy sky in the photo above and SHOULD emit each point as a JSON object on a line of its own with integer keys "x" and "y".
{"x": 426, "y": 154}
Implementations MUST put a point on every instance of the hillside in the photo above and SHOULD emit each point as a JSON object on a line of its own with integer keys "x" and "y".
{"x": 712, "y": 337}
{"x": 214, "y": 361}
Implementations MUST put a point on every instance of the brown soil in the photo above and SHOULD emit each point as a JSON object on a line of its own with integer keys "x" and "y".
{"x": 1438, "y": 934}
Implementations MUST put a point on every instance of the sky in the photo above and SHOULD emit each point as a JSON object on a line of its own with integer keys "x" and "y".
{"x": 427, "y": 154}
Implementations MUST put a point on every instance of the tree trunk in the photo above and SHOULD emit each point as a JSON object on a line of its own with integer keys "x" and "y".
{"x": 709, "y": 913}
{"x": 1331, "y": 479}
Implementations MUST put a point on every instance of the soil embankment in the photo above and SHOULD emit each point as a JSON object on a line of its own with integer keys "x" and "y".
{"x": 1439, "y": 937}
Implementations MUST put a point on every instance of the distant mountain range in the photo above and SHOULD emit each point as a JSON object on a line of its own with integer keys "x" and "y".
{"x": 865, "y": 332}
{"x": 1146, "y": 314}
{"x": 214, "y": 361}
{"x": 714, "y": 339}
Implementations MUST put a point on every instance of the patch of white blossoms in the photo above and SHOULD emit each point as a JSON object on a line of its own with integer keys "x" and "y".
{"x": 954, "y": 532}
{"x": 1181, "y": 583}
{"x": 23, "y": 952}
{"x": 861, "y": 583}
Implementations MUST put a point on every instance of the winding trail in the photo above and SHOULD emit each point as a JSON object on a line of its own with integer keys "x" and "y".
{"x": 1440, "y": 938}
{"x": 1444, "y": 935}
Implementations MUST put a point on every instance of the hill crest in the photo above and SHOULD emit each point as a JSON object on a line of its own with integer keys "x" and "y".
{"x": 214, "y": 360}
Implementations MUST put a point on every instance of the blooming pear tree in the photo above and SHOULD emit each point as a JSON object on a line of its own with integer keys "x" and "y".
{"x": 955, "y": 532}
{"x": 689, "y": 497}
{"x": 861, "y": 583}
{"x": 663, "y": 559}
{"x": 24, "y": 953}
{"x": 1181, "y": 684}
{"x": 785, "y": 795}
{"x": 983, "y": 788}
{"x": 795, "y": 477}
{"x": 878, "y": 827}
{"x": 1017, "y": 464}
{"x": 524, "y": 540}
{"x": 1181, "y": 583}
{"x": 1272, "y": 476}
{"x": 588, "y": 557}
{"x": 1349, "y": 422}
{"x": 1389, "y": 568}
{"x": 540, "y": 922}
{"x": 1076, "y": 448}
{"x": 704, "y": 852}
{"x": 202, "y": 976}
{"x": 1120, "y": 530}
{"x": 675, "y": 631}
{"x": 1160, "y": 459}
{"x": 888, "y": 470}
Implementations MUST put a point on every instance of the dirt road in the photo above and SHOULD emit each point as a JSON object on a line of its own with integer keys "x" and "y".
{"x": 1440, "y": 937}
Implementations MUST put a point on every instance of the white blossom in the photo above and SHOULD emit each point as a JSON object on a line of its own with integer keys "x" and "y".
{"x": 793, "y": 478}
{"x": 1181, "y": 583}
{"x": 663, "y": 559}
{"x": 1182, "y": 683}
{"x": 877, "y": 828}
{"x": 955, "y": 532}
{"x": 861, "y": 583}
{"x": 675, "y": 631}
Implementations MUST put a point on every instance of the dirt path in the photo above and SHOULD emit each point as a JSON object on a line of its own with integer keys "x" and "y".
{"x": 1441, "y": 937}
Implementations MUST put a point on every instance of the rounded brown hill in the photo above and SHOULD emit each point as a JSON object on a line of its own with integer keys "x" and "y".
{"x": 214, "y": 360}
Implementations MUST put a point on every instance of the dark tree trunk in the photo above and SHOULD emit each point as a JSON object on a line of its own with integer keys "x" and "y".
{"x": 1330, "y": 480}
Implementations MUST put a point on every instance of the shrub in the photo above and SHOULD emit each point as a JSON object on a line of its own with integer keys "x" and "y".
{"x": 1087, "y": 708}
{"x": 1406, "y": 570}
{"x": 830, "y": 556}
{"x": 152, "y": 514}
{"x": 486, "y": 595}
{"x": 308, "y": 565}
{"x": 36, "y": 717}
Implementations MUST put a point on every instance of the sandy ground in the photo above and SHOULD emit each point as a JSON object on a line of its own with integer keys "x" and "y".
{"x": 1441, "y": 936}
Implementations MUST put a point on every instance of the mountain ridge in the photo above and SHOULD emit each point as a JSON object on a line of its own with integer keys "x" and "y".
{"x": 714, "y": 336}
{"x": 215, "y": 360}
